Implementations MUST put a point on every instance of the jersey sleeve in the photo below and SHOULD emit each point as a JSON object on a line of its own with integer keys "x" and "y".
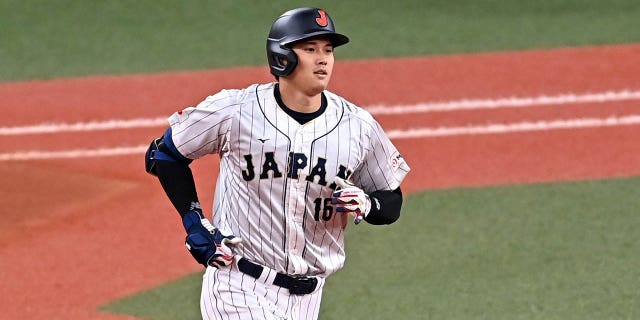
{"x": 204, "y": 129}
{"x": 383, "y": 167}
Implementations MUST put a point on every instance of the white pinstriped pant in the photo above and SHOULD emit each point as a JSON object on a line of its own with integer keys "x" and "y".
{"x": 228, "y": 293}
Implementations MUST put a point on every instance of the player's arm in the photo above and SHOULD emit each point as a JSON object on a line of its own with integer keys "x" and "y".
{"x": 205, "y": 243}
{"x": 164, "y": 161}
{"x": 379, "y": 207}
{"x": 384, "y": 166}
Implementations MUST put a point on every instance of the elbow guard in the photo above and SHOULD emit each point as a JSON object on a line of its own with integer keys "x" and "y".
{"x": 163, "y": 149}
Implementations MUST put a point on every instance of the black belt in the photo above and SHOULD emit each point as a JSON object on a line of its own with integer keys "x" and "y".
{"x": 296, "y": 285}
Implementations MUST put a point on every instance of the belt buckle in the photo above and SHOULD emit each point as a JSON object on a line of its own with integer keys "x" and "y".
{"x": 303, "y": 285}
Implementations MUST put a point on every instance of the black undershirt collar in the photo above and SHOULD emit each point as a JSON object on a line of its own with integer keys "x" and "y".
{"x": 301, "y": 117}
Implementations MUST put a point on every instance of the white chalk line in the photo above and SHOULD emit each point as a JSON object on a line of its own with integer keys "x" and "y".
{"x": 503, "y": 128}
{"x": 465, "y": 104}
{"x": 73, "y": 154}
{"x": 84, "y": 126}
{"x": 512, "y": 102}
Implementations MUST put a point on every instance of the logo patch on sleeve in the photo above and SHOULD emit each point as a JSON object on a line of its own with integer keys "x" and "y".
{"x": 396, "y": 161}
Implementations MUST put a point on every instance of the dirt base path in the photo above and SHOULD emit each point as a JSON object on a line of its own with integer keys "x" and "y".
{"x": 77, "y": 233}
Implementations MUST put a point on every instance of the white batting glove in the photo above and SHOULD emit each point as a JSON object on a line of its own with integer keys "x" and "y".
{"x": 351, "y": 199}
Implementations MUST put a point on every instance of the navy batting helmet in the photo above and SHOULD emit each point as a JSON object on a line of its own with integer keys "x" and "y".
{"x": 295, "y": 25}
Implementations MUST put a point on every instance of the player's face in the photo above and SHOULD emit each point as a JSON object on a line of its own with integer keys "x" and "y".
{"x": 315, "y": 64}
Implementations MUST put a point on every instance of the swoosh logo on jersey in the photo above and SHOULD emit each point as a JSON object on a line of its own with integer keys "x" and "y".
{"x": 263, "y": 140}
{"x": 322, "y": 20}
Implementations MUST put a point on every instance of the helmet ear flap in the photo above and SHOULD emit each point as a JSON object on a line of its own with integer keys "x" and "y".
{"x": 282, "y": 60}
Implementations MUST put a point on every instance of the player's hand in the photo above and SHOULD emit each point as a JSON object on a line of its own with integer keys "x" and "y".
{"x": 208, "y": 245}
{"x": 351, "y": 199}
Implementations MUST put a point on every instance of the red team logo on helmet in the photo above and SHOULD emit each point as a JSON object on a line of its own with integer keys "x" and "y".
{"x": 322, "y": 20}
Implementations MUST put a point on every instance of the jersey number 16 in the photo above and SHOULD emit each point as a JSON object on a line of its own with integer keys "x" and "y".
{"x": 323, "y": 209}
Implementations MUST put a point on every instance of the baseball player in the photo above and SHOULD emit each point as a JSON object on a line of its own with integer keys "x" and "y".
{"x": 296, "y": 161}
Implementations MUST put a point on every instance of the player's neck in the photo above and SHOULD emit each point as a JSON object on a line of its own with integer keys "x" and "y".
{"x": 298, "y": 100}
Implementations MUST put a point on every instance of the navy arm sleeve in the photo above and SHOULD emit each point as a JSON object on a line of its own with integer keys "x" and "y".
{"x": 172, "y": 169}
{"x": 178, "y": 183}
{"x": 385, "y": 206}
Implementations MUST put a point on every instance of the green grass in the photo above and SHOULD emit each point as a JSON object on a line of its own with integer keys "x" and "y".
{"x": 63, "y": 38}
{"x": 175, "y": 300}
{"x": 545, "y": 251}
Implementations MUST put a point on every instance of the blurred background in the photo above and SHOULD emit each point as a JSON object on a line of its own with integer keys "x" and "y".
{"x": 47, "y": 39}
{"x": 551, "y": 247}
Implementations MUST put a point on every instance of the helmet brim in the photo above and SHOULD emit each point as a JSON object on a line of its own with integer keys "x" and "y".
{"x": 336, "y": 39}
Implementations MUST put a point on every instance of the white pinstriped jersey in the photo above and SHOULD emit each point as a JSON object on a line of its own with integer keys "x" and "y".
{"x": 276, "y": 175}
